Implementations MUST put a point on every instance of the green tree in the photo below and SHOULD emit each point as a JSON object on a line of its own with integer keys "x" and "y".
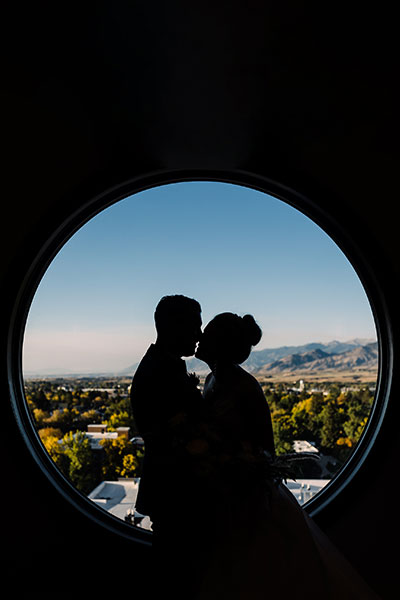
{"x": 284, "y": 431}
{"x": 40, "y": 399}
{"x": 357, "y": 417}
{"x": 332, "y": 425}
{"x": 63, "y": 419}
{"x": 306, "y": 416}
{"x": 76, "y": 447}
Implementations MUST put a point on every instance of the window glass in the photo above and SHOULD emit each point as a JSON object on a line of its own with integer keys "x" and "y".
{"x": 233, "y": 249}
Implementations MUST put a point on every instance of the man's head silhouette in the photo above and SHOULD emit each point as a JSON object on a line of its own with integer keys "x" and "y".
{"x": 178, "y": 324}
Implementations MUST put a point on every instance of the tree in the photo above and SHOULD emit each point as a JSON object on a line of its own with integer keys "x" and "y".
{"x": 129, "y": 465}
{"x": 41, "y": 401}
{"x": 120, "y": 459}
{"x": 332, "y": 425}
{"x": 90, "y": 416}
{"x": 354, "y": 426}
{"x": 76, "y": 447}
{"x": 64, "y": 419}
{"x": 41, "y": 417}
{"x": 283, "y": 429}
{"x": 46, "y": 432}
{"x": 50, "y": 438}
{"x": 306, "y": 416}
{"x": 118, "y": 419}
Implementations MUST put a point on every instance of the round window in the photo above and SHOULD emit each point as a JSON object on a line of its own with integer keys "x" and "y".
{"x": 85, "y": 320}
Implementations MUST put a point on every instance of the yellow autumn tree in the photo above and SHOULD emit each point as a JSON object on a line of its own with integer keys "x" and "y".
{"x": 119, "y": 458}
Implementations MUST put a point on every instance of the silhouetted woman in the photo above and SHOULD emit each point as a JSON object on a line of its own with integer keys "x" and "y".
{"x": 262, "y": 543}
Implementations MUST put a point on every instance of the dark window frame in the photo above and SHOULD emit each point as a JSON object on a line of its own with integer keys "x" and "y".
{"x": 78, "y": 218}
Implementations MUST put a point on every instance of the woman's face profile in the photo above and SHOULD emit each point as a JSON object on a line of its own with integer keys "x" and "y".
{"x": 207, "y": 349}
{"x": 213, "y": 342}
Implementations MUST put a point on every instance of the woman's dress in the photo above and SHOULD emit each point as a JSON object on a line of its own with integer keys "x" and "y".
{"x": 262, "y": 544}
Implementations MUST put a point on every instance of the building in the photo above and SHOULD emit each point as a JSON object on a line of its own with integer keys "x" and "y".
{"x": 98, "y": 432}
{"x": 305, "y": 489}
{"x": 299, "y": 389}
{"x": 111, "y": 392}
{"x": 119, "y": 499}
{"x": 304, "y": 446}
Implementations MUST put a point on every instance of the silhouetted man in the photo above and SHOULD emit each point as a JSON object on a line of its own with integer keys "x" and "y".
{"x": 162, "y": 394}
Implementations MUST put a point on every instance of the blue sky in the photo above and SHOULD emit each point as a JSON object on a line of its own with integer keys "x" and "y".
{"x": 230, "y": 247}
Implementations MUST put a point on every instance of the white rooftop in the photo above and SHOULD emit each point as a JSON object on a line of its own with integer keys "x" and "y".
{"x": 304, "y": 446}
{"x": 119, "y": 498}
{"x": 304, "y": 489}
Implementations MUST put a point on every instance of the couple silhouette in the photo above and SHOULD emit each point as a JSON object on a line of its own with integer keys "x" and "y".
{"x": 224, "y": 524}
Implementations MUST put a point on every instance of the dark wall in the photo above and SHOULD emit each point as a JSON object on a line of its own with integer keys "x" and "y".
{"x": 99, "y": 94}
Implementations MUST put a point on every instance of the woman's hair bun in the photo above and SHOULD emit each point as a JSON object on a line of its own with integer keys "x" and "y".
{"x": 252, "y": 330}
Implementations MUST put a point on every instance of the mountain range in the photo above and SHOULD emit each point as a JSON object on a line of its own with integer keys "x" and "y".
{"x": 353, "y": 358}
{"x": 314, "y": 359}
{"x": 357, "y": 361}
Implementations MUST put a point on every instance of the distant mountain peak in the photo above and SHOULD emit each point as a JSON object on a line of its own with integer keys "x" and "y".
{"x": 317, "y": 361}
{"x": 312, "y": 356}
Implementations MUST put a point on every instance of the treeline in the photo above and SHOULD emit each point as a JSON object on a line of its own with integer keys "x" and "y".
{"x": 61, "y": 417}
{"x": 51, "y": 405}
{"x": 333, "y": 419}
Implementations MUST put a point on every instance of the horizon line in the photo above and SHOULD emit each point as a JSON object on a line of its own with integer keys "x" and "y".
{"x": 51, "y": 372}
